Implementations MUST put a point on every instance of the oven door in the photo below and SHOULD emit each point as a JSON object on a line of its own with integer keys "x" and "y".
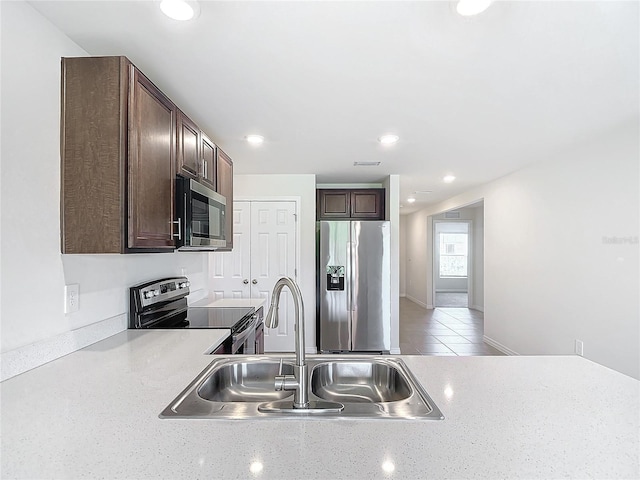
{"x": 203, "y": 214}
{"x": 244, "y": 340}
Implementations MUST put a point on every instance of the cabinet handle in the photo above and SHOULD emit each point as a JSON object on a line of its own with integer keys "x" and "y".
{"x": 245, "y": 281}
{"x": 254, "y": 281}
{"x": 179, "y": 235}
{"x": 204, "y": 168}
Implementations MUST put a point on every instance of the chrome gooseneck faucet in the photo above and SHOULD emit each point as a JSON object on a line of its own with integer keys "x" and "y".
{"x": 299, "y": 380}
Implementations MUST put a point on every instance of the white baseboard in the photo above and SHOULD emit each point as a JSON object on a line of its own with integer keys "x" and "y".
{"x": 450, "y": 290}
{"x": 416, "y": 301}
{"x": 20, "y": 360}
{"x": 477, "y": 307}
{"x": 498, "y": 345}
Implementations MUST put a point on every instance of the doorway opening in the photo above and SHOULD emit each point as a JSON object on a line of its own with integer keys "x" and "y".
{"x": 452, "y": 263}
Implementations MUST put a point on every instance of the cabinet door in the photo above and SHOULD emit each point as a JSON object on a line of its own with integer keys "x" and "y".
{"x": 152, "y": 120}
{"x": 367, "y": 204}
{"x": 333, "y": 204}
{"x": 208, "y": 150}
{"x": 189, "y": 162}
{"x": 224, "y": 184}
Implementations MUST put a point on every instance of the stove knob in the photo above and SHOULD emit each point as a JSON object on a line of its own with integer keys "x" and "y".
{"x": 147, "y": 294}
{"x": 155, "y": 293}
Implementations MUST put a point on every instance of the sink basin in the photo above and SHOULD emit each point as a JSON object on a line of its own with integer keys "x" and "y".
{"x": 364, "y": 387}
{"x": 359, "y": 382}
{"x": 244, "y": 382}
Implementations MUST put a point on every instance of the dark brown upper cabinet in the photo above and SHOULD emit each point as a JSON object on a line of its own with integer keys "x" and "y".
{"x": 118, "y": 147}
{"x": 224, "y": 186}
{"x": 196, "y": 155}
{"x": 350, "y": 204}
{"x": 209, "y": 167}
{"x": 188, "y": 151}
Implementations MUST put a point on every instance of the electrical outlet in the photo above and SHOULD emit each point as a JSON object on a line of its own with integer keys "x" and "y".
{"x": 71, "y": 298}
{"x": 579, "y": 349}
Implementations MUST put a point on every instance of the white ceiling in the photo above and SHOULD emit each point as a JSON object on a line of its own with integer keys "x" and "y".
{"x": 478, "y": 97}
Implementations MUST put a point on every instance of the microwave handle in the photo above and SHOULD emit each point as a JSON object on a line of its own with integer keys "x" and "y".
{"x": 179, "y": 234}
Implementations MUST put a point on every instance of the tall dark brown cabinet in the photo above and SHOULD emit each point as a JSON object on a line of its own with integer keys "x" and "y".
{"x": 117, "y": 159}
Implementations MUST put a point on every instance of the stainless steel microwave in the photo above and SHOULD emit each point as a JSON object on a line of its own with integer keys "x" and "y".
{"x": 201, "y": 216}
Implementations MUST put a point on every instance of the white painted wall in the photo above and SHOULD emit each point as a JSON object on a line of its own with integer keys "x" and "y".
{"x": 402, "y": 235}
{"x": 33, "y": 270}
{"x": 551, "y": 273}
{"x": 477, "y": 292}
{"x": 418, "y": 224}
{"x": 265, "y": 187}
{"x": 392, "y": 205}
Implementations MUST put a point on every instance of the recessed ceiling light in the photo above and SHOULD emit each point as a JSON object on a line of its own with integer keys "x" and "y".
{"x": 366, "y": 164}
{"x": 448, "y": 178}
{"x": 388, "y": 139}
{"x": 255, "y": 139}
{"x": 468, "y": 8}
{"x": 411, "y": 199}
{"x": 179, "y": 9}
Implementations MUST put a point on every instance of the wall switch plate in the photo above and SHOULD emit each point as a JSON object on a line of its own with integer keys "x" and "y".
{"x": 579, "y": 349}
{"x": 71, "y": 298}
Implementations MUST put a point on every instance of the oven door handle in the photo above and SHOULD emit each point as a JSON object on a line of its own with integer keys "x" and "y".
{"x": 240, "y": 336}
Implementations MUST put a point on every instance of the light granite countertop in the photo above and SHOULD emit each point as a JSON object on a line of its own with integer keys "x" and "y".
{"x": 230, "y": 302}
{"x": 94, "y": 414}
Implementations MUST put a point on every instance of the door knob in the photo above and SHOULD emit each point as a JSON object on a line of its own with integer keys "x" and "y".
{"x": 254, "y": 281}
{"x": 245, "y": 281}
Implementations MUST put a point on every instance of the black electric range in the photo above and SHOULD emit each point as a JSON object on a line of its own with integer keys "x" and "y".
{"x": 163, "y": 304}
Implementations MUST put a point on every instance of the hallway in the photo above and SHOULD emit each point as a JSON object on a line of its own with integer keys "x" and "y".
{"x": 442, "y": 331}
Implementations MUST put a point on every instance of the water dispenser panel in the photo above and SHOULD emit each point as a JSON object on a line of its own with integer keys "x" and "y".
{"x": 335, "y": 277}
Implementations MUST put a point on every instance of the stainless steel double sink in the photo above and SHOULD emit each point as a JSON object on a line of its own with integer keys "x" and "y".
{"x": 366, "y": 387}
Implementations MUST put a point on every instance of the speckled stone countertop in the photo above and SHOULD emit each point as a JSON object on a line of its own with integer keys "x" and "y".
{"x": 94, "y": 414}
{"x": 230, "y": 302}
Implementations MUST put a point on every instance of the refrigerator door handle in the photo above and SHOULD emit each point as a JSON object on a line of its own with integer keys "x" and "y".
{"x": 348, "y": 279}
{"x": 352, "y": 275}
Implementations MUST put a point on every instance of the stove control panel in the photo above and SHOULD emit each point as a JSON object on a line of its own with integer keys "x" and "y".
{"x": 158, "y": 291}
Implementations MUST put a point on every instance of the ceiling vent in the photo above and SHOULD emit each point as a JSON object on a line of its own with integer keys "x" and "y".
{"x": 452, "y": 215}
{"x": 366, "y": 164}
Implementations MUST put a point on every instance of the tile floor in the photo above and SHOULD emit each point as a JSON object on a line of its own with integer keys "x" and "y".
{"x": 450, "y": 299}
{"x": 442, "y": 331}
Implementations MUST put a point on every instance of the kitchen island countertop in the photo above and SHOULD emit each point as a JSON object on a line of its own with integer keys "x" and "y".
{"x": 94, "y": 414}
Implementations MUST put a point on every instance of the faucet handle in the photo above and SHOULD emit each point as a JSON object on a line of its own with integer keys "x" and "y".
{"x": 280, "y": 368}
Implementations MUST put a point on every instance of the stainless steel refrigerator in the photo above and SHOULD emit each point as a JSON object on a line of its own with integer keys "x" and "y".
{"x": 353, "y": 286}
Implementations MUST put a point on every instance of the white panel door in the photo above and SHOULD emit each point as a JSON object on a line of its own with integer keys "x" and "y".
{"x": 230, "y": 272}
{"x": 264, "y": 249}
{"x": 273, "y": 255}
